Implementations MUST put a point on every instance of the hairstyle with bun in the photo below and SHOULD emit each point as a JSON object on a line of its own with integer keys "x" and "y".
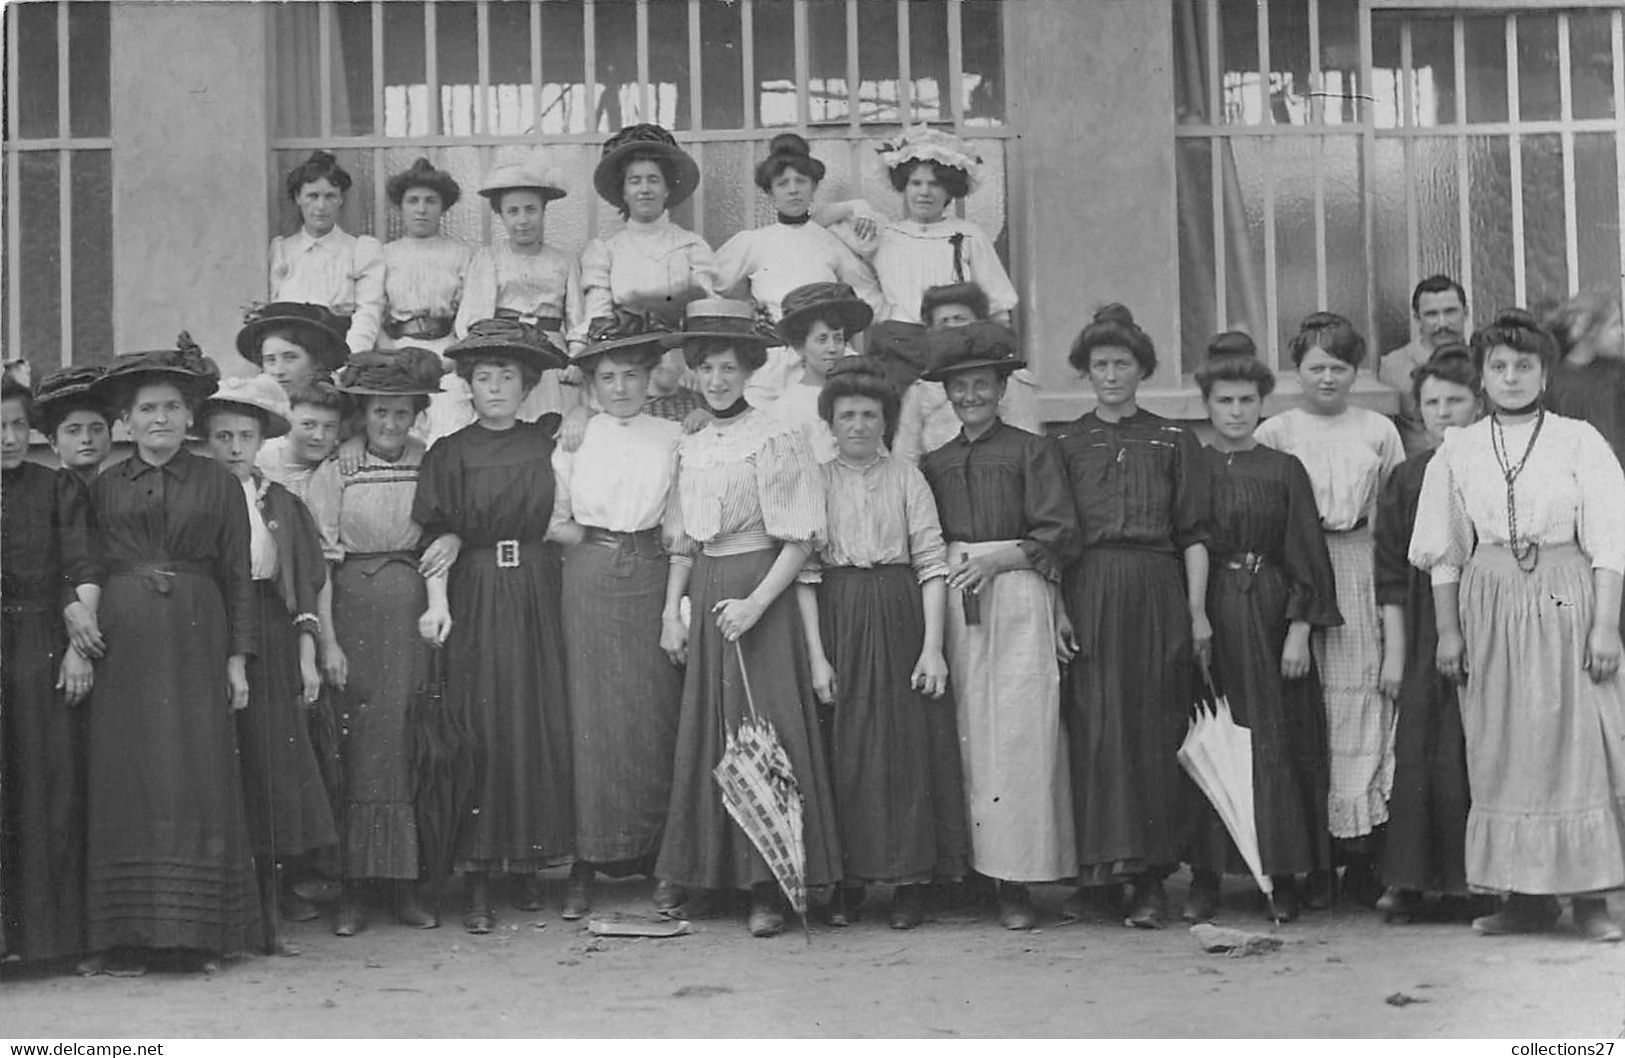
{"x": 1231, "y": 343}
{"x": 12, "y": 389}
{"x": 321, "y": 165}
{"x": 1113, "y": 326}
{"x": 1331, "y": 332}
{"x": 1518, "y": 330}
{"x": 860, "y": 376}
{"x": 1451, "y": 362}
{"x": 788, "y": 151}
{"x": 1235, "y": 367}
{"x": 954, "y": 181}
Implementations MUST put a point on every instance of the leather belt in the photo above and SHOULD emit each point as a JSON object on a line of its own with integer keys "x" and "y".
{"x": 424, "y": 327}
{"x": 158, "y": 574}
{"x": 546, "y": 323}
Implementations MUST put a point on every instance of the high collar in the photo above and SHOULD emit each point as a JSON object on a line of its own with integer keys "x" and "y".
{"x": 649, "y": 227}
{"x": 178, "y": 467}
{"x": 334, "y": 237}
{"x": 988, "y": 434}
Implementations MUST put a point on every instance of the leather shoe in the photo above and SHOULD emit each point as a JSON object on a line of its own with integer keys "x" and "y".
{"x": 1520, "y": 914}
{"x": 907, "y": 907}
{"x": 577, "y": 898}
{"x": 843, "y": 907}
{"x": 668, "y": 896}
{"x": 1319, "y": 890}
{"x": 526, "y": 893}
{"x": 1148, "y": 907}
{"x": 1287, "y": 904}
{"x": 765, "y": 918}
{"x": 1202, "y": 900}
{"x": 479, "y": 920}
{"x": 409, "y": 909}
{"x": 1016, "y": 907}
{"x": 351, "y": 918}
{"x": 1592, "y": 919}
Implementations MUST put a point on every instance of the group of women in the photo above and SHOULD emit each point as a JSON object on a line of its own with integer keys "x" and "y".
{"x": 593, "y": 515}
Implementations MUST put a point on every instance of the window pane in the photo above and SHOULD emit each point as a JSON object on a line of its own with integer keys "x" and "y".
{"x": 775, "y": 53}
{"x": 829, "y": 100}
{"x": 1289, "y": 62}
{"x": 1490, "y": 176}
{"x": 1390, "y": 263}
{"x": 616, "y": 65}
{"x": 1340, "y": 63}
{"x": 1345, "y": 230}
{"x": 1438, "y": 206}
{"x": 1591, "y": 64}
{"x": 1597, "y": 202}
{"x": 406, "y": 88}
{"x": 510, "y": 105}
{"x": 1387, "y": 99}
{"x": 982, "y": 76}
{"x": 877, "y": 63}
{"x": 1190, "y": 62}
{"x": 928, "y": 59}
{"x": 1539, "y": 93}
{"x": 457, "y": 67}
{"x": 351, "y": 26}
{"x": 1433, "y": 71}
{"x": 1545, "y": 255}
{"x": 92, "y": 185}
{"x": 89, "y": 69}
{"x": 1244, "y": 236}
{"x": 1292, "y": 167}
{"x": 42, "y": 249}
{"x": 1486, "y": 68}
{"x": 1198, "y": 318}
{"x": 35, "y": 54}
{"x": 565, "y": 106}
{"x": 298, "y": 85}
{"x": 1238, "y": 61}
{"x": 722, "y": 95}
{"x": 668, "y": 65}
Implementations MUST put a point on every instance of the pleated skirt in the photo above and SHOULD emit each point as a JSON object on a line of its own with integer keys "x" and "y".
{"x": 894, "y": 754}
{"x": 1545, "y": 745}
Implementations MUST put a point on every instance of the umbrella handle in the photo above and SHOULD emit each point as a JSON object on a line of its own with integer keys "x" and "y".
{"x": 1207, "y": 678}
{"x": 744, "y": 677}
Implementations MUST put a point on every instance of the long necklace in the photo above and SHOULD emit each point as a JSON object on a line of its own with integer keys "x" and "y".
{"x": 1525, "y": 552}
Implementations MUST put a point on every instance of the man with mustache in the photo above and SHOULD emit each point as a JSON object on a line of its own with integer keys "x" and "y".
{"x": 1439, "y": 305}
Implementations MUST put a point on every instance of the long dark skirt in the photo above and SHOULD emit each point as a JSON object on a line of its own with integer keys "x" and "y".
{"x": 1287, "y": 722}
{"x": 505, "y": 670}
{"x": 1130, "y": 707}
{"x": 376, "y": 606}
{"x": 42, "y": 853}
{"x": 1426, "y": 847}
{"x": 625, "y": 695}
{"x": 894, "y": 756}
{"x": 288, "y": 810}
{"x": 703, "y": 848}
{"x": 170, "y": 864}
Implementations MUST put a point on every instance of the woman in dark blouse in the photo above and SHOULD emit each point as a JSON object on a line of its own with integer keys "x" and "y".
{"x": 487, "y": 492}
{"x": 170, "y": 864}
{"x": 1270, "y": 582}
{"x": 1136, "y": 601}
{"x": 1009, "y": 525}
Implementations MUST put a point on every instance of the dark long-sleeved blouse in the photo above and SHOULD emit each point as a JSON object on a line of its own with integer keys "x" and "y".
{"x": 1397, "y": 582}
{"x": 488, "y": 485}
{"x": 1137, "y": 483}
{"x": 189, "y": 510}
{"x": 1005, "y": 485}
{"x": 1594, "y": 392}
{"x": 1264, "y": 504}
{"x": 45, "y": 542}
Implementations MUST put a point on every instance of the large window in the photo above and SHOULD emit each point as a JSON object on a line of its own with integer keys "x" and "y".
{"x": 1332, "y": 153}
{"x": 476, "y": 83}
{"x": 58, "y": 308}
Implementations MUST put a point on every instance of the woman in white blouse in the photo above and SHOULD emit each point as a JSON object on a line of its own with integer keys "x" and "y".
{"x": 624, "y": 689}
{"x": 1521, "y": 523}
{"x": 321, "y": 263}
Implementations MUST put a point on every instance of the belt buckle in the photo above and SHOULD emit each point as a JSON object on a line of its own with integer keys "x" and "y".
{"x": 507, "y": 554}
{"x": 1253, "y": 562}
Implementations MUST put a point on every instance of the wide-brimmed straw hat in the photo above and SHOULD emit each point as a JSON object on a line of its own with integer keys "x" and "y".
{"x": 321, "y": 332}
{"x": 184, "y": 367}
{"x": 259, "y": 395}
{"x": 404, "y": 372}
{"x": 925, "y": 144}
{"x": 832, "y": 302}
{"x": 647, "y": 139}
{"x": 535, "y": 173}
{"x": 424, "y": 174}
{"x": 626, "y": 330}
{"x": 512, "y": 340}
{"x": 975, "y": 345}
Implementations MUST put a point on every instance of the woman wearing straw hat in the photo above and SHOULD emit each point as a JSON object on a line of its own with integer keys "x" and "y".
{"x": 289, "y": 814}
{"x": 78, "y": 424}
{"x": 488, "y": 488}
{"x": 1008, "y": 519}
{"x": 293, "y": 343}
{"x": 321, "y": 263}
{"x": 44, "y": 546}
{"x": 370, "y": 645}
{"x": 170, "y": 864}
{"x": 747, "y": 510}
{"x": 625, "y": 689}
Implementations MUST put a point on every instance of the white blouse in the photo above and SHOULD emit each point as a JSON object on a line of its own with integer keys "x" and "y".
{"x": 341, "y": 271}
{"x": 755, "y": 477}
{"x": 1572, "y": 490}
{"x": 262, "y": 553}
{"x": 1348, "y": 457}
{"x": 908, "y": 257}
{"x": 797, "y": 405}
{"x": 781, "y": 257}
{"x": 424, "y": 277}
{"x": 645, "y": 264}
{"x": 547, "y": 283}
{"x": 621, "y": 476}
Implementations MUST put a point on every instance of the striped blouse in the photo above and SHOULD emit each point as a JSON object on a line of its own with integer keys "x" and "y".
{"x": 369, "y": 511}
{"x": 880, "y": 515}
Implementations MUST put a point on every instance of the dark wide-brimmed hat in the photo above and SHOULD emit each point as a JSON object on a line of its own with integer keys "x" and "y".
{"x": 975, "y": 345}
{"x": 321, "y": 332}
{"x": 901, "y": 350}
{"x": 833, "y": 302}
{"x": 424, "y": 174}
{"x": 67, "y": 390}
{"x": 184, "y": 367}
{"x": 535, "y": 173}
{"x": 742, "y": 324}
{"x": 404, "y": 372}
{"x": 627, "y": 330}
{"x": 258, "y": 395}
{"x": 645, "y": 139}
{"x": 510, "y": 340}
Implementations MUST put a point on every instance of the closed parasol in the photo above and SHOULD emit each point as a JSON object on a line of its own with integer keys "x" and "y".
{"x": 1218, "y": 754}
{"x": 760, "y": 792}
{"x": 448, "y": 761}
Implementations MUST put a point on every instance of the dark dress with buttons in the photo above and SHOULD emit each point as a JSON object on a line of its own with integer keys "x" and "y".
{"x": 1268, "y": 567}
{"x": 44, "y": 551}
{"x": 505, "y": 655}
{"x": 170, "y": 863}
{"x": 1141, "y": 490}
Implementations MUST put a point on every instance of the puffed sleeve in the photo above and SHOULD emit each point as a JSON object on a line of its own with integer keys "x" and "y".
{"x": 678, "y": 544}
{"x": 232, "y": 567}
{"x": 436, "y": 500}
{"x": 1313, "y": 595}
{"x": 851, "y": 270}
{"x": 276, "y": 269}
{"x": 325, "y": 498}
{"x": 596, "y": 300}
{"x": 1601, "y": 525}
{"x": 847, "y": 233}
{"x": 790, "y": 489}
{"x": 702, "y": 266}
{"x": 733, "y": 265}
{"x": 1192, "y": 492}
{"x": 575, "y": 309}
{"x": 369, "y": 294}
{"x": 926, "y": 551}
{"x": 1392, "y": 571}
{"x": 479, "y": 293}
{"x": 1442, "y": 540}
{"x": 80, "y": 562}
{"x": 984, "y": 267}
{"x": 1051, "y": 541}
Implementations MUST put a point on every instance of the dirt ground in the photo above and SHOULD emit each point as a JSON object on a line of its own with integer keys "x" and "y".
{"x": 1341, "y": 974}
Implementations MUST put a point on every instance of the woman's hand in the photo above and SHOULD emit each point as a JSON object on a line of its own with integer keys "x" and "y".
{"x": 930, "y": 675}
{"x": 351, "y": 455}
{"x": 440, "y": 556}
{"x": 573, "y": 428}
{"x": 735, "y": 617}
{"x": 1066, "y": 638}
{"x": 1602, "y": 654}
{"x": 237, "y": 681}
{"x": 1201, "y": 638}
{"x": 568, "y": 533}
{"x": 83, "y": 632}
{"x": 310, "y": 680}
{"x": 674, "y": 638}
{"x": 696, "y": 420}
{"x": 823, "y": 679}
{"x": 75, "y": 677}
{"x": 1451, "y": 657}
{"x": 1390, "y": 677}
{"x": 974, "y": 572}
{"x": 335, "y": 666}
{"x": 864, "y": 227}
{"x": 435, "y": 625}
{"x": 1295, "y": 656}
